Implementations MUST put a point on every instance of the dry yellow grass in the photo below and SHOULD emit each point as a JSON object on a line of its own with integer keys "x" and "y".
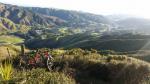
{"x": 14, "y": 51}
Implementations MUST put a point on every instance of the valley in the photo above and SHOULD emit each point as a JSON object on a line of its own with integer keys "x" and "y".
{"x": 83, "y": 48}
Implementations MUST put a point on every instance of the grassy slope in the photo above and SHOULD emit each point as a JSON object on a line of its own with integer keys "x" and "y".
{"x": 117, "y": 43}
{"x": 7, "y": 25}
{"x": 10, "y": 39}
{"x": 89, "y": 67}
{"x": 14, "y": 51}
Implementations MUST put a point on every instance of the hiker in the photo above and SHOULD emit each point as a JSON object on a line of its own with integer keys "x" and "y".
{"x": 49, "y": 62}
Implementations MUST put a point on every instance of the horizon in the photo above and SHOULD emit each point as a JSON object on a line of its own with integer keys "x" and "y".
{"x": 101, "y": 7}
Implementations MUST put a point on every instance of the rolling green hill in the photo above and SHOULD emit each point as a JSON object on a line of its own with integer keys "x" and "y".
{"x": 10, "y": 39}
{"x": 119, "y": 43}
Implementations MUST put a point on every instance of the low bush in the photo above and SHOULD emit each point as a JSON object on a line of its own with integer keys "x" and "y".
{"x": 41, "y": 76}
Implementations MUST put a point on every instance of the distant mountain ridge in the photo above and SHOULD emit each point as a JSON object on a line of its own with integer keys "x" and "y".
{"x": 19, "y": 15}
{"x": 49, "y": 17}
{"x": 74, "y": 18}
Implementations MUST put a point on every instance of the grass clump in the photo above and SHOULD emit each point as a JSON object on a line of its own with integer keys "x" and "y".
{"x": 6, "y": 70}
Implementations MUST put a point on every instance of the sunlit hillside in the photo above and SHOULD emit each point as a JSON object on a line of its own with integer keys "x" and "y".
{"x": 79, "y": 42}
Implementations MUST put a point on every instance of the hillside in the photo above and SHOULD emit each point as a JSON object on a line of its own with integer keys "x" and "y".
{"x": 73, "y": 18}
{"x": 119, "y": 43}
{"x": 55, "y": 46}
{"x": 134, "y": 24}
{"x": 58, "y": 18}
{"x": 84, "y": 67}
{"x": 6, "y": 25}
{"x": 21, "y": 16}
{"x": 50, "y": 17}
{"x": 39, "y": 28}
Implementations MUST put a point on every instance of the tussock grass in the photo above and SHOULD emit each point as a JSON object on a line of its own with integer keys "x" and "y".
{"x": 6, "y": 69}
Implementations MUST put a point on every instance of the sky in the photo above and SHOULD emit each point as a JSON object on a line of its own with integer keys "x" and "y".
{"x": 105, "y": 7}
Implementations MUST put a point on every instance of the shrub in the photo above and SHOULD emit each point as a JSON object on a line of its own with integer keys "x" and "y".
{"x": 41, "y": 76}
{"x": 123, "y": 73}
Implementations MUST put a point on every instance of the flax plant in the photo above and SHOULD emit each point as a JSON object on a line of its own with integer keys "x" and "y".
{"x": 6, "y": 69}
